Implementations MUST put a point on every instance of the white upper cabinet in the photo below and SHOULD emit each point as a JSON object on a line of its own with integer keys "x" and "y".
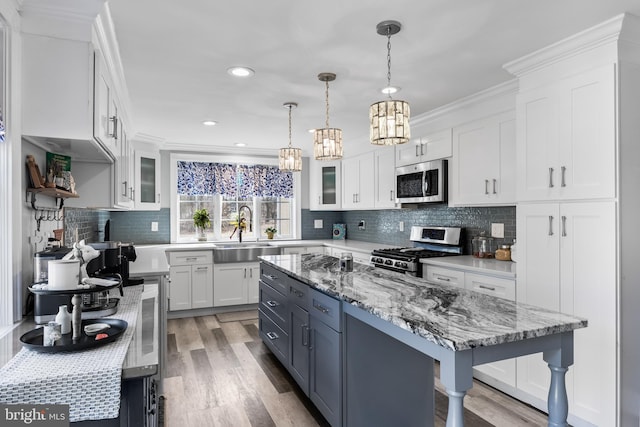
{"x": 566, "y": 138}
{"x": 484, "y": 156}
{"x": 358, "y": 182}
{"x": 57, "y": 87}
{"x": 325, "y": 185}
{"x": 147, "y": 180}
{"x": 385, "y": 179}
{"x": 105, "y": 118}
{"x": 430, "y": 147}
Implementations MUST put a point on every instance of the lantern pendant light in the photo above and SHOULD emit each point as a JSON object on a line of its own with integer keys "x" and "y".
{"x": 389, "y": 119}
{"x": 327, "y": 142}
{"x": 290, "y": 158}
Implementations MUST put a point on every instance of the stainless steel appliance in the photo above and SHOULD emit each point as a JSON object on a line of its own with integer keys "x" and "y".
{"x": 422, "y": 183}
{"x": 429, "y": 242}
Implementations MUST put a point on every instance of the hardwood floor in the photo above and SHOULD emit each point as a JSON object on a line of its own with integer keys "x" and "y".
{"x": 219, "y": 373}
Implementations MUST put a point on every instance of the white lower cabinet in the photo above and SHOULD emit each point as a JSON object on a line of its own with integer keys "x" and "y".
{"x": 567, "y": 263}
{"x": 191, "y": 274}
{"x": 504, "y": 370}
{"x": 235, "y": 283}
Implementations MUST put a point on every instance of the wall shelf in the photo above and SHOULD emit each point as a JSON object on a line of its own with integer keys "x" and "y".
{"x": 51, "y": 192}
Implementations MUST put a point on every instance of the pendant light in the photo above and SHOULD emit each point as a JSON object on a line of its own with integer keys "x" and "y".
{"x": 389, "y": 118}
{"x": 290, "y": 159}
{"x": 327, "y": 142}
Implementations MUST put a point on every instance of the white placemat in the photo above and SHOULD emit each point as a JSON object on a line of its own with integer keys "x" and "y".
{"x": 88, "y": 381}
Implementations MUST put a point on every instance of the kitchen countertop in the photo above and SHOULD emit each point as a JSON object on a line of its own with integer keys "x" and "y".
{"x": 453, "y": 318}
{"x": 506, "y": 269}
{"x": 152, "y": 260}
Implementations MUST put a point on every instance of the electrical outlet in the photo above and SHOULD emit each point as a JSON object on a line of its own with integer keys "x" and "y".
{"x": 401, "y": 226}
{"x": 497, "y": 230}
{"x": 154, "y": 225}
{"x": 361, "y": 225}
{"x": 317, "y": 223}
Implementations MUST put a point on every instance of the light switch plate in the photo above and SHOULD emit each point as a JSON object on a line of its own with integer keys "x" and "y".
{"x": 154, "y": 225}
{"x": 497, "y": 230}
{"x": 317, "y": 223}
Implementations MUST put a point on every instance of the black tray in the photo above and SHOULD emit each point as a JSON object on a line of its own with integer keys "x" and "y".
{"x": 33, "y": 339}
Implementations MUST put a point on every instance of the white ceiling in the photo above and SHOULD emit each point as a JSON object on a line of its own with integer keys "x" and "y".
{"x": 175, "y": 56}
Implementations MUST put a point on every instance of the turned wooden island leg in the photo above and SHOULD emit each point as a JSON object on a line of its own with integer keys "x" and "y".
{"x": 559, "y": 361}
{"x": 456, "y": 374}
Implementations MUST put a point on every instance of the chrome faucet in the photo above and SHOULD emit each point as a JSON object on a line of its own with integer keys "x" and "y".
{"x": 240, "y": 221}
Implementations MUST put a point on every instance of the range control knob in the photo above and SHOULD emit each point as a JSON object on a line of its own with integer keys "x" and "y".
{"x": 401, "y": 264}
{"x": 388, "y": 262}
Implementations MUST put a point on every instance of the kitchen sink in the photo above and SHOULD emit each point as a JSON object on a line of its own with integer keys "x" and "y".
{"x": 242, "y": 252}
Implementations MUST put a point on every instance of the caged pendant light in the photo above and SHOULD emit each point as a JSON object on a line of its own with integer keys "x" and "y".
{"x": 290, "y": 158}
{"x": 389, "y": 119}
{"x": 327, "y": 142}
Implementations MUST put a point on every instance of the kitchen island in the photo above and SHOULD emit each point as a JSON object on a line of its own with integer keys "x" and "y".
{"x": 459, "y": 328}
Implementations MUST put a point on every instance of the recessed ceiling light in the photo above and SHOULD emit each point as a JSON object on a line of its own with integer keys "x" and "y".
{"x": 209, "y": 123}
{"x": 240, "y": 71}
{"x": 390, "y": 90}
{"x": 240, "y": 144}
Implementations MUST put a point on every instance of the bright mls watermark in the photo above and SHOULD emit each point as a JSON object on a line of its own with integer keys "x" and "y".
{"x": 34, "y": 415}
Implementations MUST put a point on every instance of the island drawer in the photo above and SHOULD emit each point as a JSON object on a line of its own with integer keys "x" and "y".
{"x": 299, "y": 293}
{"x": 273, "y": 303}
{"x": 326, "y": 309}
{"x": 190, "y": 257}
{"x": 444, "y": 276}
{"x": 274, "y": 278}
{"x": 274, "y": 337}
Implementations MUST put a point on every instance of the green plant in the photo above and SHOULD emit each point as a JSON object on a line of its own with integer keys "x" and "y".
{"x": 201, "y": 218}
{"x": 270, "y": 230}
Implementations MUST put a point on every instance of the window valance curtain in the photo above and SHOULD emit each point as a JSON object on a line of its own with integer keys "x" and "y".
{"x": 204, "y": 178}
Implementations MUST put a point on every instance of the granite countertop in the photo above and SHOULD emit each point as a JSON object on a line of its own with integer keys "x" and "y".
{"x": 454, "y": 318}
{"x": 506, "y": 269}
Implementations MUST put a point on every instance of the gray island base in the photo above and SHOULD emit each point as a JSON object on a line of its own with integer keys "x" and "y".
{"x": 391, "y": 328}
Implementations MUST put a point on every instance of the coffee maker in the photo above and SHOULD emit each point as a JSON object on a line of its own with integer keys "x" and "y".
{"x": 113, "y": 260}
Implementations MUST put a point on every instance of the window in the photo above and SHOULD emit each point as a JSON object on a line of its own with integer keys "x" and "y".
{"x": 259, "y": 194}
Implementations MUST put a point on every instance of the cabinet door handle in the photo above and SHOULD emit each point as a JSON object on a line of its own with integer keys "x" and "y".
{"x": 132, "y": 193}
{"x": 250, "y": 273}
{"x": 564, "y": 226}
{"x": 272, "y": 336}
{"x": 321, "y": 308}
{"x": 270, "y": 276}
{"x": 319, "y": 200}
{"x": 418, "y": 145}
{"x": 245, "y": 273}
{"x": 124, "y": 193}
{"x": 494, "y": 186}
{"x": 305, "y": 335}
{"x": 563, "y": 169}
{"x": 550, "y": 225}
{"x": 443, "y": 279}
{"x": 296, "y": 292}
{"x": 158, "y": 198}
{"x": 114, "y": 120}
{"x": 421, "y": 149}
{"x": 272, "y": 304}
{"x": 391, "y": 198}
{"x": 489, "y": 288}
{"x": 486, "y": 186}
{"x": 550, "y": 177}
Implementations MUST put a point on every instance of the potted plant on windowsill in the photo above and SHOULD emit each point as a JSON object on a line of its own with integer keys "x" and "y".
{"x": 201, "y": 221}
{"x": 270, "y": 232}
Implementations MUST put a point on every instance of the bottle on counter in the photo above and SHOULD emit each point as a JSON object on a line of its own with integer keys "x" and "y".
{"x": 503, "y": 253}
{"x": 513, "y": 251}
{"x": 483, "y": 246}
{"x": 64, "y": 319}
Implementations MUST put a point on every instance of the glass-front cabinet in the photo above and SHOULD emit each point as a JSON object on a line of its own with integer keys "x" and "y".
{"x": 325, "y": 184}
{"x": 147, "y": 180}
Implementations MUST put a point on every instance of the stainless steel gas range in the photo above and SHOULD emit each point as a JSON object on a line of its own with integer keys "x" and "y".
{"x": 429, "y": 242}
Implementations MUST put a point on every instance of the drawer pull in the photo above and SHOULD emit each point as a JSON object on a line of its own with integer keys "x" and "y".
{"x": 489, "y": 288}
{"x": 272, "y": 336}
{"x": 443, "y": 279}
{"x": 296, "y": 292}
{"x": 192, "y": 258}
{"x": 270, "y": 276}
{"x": 272, "y": 303}
{"x": 202, "y": 268}
{"x": 321, "y": 308}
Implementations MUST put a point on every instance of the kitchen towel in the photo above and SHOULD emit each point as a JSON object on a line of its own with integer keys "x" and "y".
{"x": 88, "y": 381}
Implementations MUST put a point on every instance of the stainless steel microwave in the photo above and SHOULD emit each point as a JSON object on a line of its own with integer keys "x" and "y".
{"x": 422, "y": 183}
